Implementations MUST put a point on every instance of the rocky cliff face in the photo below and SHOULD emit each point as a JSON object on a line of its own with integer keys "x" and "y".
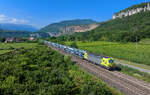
{"x": 132, "y": 11}
{"x": 72, "y": 29}
{"x": 79, "y": 28}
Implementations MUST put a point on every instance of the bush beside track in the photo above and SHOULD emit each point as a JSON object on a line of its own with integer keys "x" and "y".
{"x": 41, "y": 70}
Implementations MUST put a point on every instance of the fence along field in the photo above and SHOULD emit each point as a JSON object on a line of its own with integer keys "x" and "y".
{"x": 134, "y": 52}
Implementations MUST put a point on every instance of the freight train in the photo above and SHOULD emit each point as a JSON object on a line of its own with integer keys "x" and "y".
{"x": 106, "y": 62}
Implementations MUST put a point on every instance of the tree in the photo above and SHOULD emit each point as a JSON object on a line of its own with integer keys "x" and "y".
{"x": 74, "y": 44}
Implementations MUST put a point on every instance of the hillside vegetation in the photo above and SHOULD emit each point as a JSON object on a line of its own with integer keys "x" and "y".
{"x": 42, "y": 71}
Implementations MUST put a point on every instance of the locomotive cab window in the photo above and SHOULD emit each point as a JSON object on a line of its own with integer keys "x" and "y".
{"x": 111, "y": 61}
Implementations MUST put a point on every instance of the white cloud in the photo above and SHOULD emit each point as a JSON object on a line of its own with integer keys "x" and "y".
{"x": 6, "y": 19}
{"x": 2, "y": 17}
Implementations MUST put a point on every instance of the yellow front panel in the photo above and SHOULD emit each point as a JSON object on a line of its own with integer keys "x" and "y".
{"x": 85, "y": 56}
{"x": 105, "y": 62}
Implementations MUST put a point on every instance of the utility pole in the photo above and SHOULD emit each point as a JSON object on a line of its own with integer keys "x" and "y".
{"x": 136, "y": 38}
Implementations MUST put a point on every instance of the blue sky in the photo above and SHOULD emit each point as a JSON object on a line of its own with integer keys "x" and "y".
{"x": 43, "y": 12}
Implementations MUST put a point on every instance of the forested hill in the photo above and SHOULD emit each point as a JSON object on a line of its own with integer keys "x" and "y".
{"x": 131, "y": 28}
{"x": 69, "y": 26}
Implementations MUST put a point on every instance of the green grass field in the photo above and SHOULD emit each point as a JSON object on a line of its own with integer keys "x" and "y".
{"x": 7, "y": 47}
{"x": 139, "y": 53}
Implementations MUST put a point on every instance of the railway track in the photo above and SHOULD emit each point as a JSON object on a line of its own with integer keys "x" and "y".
{"x": 124, "y": 83}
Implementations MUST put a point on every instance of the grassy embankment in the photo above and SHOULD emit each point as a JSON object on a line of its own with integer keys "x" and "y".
{"x": 131, "y": 52}
{"x": 40, "y": 70}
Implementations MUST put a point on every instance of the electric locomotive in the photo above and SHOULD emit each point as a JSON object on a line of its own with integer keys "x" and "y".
{"x": 106, "y": 62}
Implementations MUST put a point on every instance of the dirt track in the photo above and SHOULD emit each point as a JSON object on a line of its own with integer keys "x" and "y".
{"x": 124, "y": 83}
{"x": 131, "y": 66}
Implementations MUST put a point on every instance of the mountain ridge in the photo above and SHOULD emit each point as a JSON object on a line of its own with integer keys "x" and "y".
{"x": 68, "y": 26}
{"x": 17, "y": 27}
